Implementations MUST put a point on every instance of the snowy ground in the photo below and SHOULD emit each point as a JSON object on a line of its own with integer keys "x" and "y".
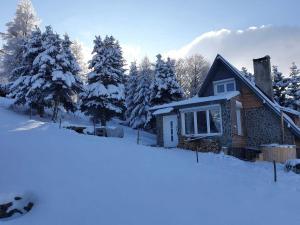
{"x": 78, "y": 179}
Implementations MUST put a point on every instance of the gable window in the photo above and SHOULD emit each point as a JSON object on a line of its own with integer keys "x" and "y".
{"x": 224, "y": 86}
{"x": 201, "y": 121}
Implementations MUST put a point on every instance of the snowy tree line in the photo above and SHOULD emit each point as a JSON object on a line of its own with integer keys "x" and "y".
{"x": 45, "y": 70}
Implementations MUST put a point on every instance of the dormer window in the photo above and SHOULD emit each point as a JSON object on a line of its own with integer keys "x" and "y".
{"x": 224, "y": 86}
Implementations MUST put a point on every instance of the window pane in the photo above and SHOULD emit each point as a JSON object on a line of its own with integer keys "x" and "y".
{"x": 189, "y": 123}
{"x": 201, "y": 122}
{"x": 215, "y": 120}
{"x": 230, "y": 86}
{"x": 220, "y": 88}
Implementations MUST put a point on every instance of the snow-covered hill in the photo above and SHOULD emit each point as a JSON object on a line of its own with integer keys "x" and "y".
{"x": 77, "y": 179}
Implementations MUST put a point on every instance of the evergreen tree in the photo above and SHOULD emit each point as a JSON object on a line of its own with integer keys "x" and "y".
{"x": 141, "y": 101}
{"x": 248, "y": 75}
{"x": 19, "y": 89}
{"x": 23, "y": 24}
{"x": 293, "y": 90}
{"x": 164, "y": 88}
{"x": 131, "y": 86}
{"x": 104, "y": 96}
{"x": 279, "y": 86}
{"x": 55, "y": 82}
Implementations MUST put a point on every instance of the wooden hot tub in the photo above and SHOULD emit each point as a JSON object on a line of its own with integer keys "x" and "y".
{"x": 277, "y": 152}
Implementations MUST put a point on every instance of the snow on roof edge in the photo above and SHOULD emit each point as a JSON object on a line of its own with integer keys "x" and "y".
{"x": 163, "y": 111}
{"x": 195, "y": 100}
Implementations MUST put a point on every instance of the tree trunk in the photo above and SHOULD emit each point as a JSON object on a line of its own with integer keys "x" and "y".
{"x": 55, "y": 110}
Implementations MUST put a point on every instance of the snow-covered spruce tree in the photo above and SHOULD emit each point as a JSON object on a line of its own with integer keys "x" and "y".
{"x": 104, "y": 97}
{"x": 18, "y": 29}
{"x": 164, "y": 88}
{"x": 293, "y": 89}
{"x": 248, "y": 75}
{"x": 141, "y": 101}
{"x": 280, "y": 84}
{"x": 19, "y": 89}
{"x": 131, "y": 86}
{"x": 56, "y": 81}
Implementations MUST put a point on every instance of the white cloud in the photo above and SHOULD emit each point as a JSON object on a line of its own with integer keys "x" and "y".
{"x": 131, "y": 53}
{"x": 241, "y": 46}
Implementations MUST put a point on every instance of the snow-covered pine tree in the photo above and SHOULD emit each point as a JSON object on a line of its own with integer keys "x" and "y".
{"x": 56, "y": 81}
{"x": 18, "y": 29}
{"x": 293, "y": 89}
{"x": 131, "y": 86}
{"x": 164, "y": 88}
{"x": 280, "y": 84}
{"x": 248, "y": 75}
{"x": 141, "y": 101}
{"x": 104, "y": 96}
{"x": 20, "y": 87}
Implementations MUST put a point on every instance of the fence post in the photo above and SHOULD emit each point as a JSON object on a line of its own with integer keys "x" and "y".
{"x": 275, "y": 171}
{"x": 138, "y": 137}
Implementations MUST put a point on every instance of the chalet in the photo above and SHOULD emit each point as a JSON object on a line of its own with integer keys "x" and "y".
{"x": 230, "y": 112}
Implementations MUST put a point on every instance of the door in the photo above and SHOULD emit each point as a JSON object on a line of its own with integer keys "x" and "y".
{"x": 170, "y": 131}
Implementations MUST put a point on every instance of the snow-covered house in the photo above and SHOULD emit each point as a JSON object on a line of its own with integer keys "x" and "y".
{"x": 229, "y": 112}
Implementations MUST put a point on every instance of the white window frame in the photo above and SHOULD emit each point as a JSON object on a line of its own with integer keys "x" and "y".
{"x": 224, "y": 82}
{"x": 238, "y": 113}
{"x": 195, "y": 110}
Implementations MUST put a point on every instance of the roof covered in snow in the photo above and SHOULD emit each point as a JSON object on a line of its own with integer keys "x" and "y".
{"x": 163, "y": 111}
{"x": 197, "y": 99}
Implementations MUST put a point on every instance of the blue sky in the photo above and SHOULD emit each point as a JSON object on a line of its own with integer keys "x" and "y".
{"x": 150, "y": 27}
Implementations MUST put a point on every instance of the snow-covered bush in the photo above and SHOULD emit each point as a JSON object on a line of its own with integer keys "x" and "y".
{"x": 292, "y": 165}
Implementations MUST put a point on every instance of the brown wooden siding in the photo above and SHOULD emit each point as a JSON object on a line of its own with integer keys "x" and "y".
{"x": 249, "y": 99}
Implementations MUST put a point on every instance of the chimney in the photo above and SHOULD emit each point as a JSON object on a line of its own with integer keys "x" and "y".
{"x": 263, "y": 77}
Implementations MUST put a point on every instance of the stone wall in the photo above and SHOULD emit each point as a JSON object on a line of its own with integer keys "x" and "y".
{"x": 264, "y": 127}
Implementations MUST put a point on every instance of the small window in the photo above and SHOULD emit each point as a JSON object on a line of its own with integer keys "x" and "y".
{"x": 239, "y": 118}
{"x": 172, "y": 131}
{"x": 189, "y": 123}
{"x": 220, "y": 88}
{"x": 230, "y": 86}
{"x": 223, "y": 86}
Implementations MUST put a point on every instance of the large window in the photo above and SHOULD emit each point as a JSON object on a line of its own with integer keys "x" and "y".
{"x": 202, "y": 121}
{"x": 224, "y": 86}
